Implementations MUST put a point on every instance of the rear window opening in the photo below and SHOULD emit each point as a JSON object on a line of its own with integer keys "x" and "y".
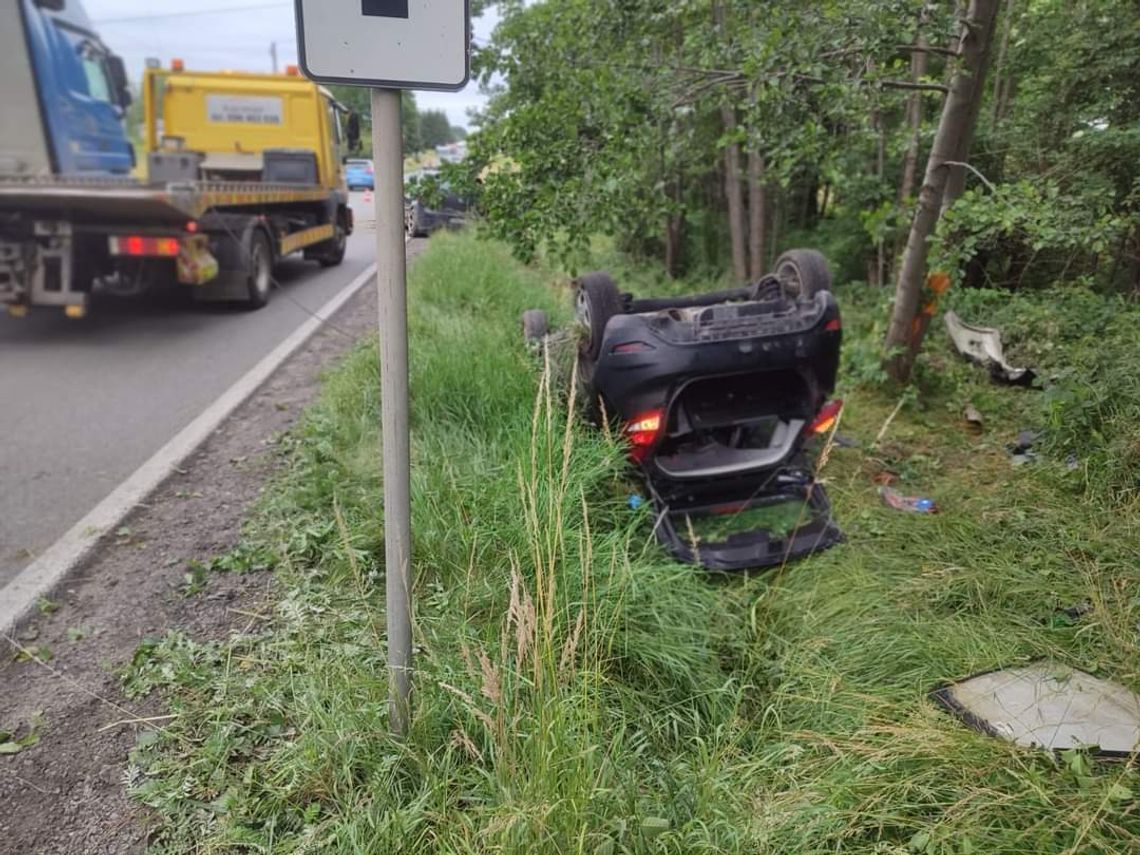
{"x": 779, "y": 519}
{"x": 734, "y": 424}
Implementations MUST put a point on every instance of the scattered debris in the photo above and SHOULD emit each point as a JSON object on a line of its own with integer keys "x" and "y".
{"x": 535, "y": 326}
{"x": 1022, "y": 451}
{"x": 982, "y": 345}
{"x": 635, "y": 502}
{"x": 1072, "y": 463}
{"x": 974, "y": 418}
{"x": 1072, "y": 614}
{"x": 845, "y": 441}
{"x": 915, "y": 504}
{"x": 1046, "y": 706}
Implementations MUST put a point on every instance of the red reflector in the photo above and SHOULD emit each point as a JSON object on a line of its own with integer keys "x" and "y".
{"x": 725, "y": 510}
{"x": 644, "y": 431}
{"x": 631, "y": 347}
{"x": 834, "y": 325}
{"x": 192, "y": 227}
{"x": 138, "y": 246}
{"x": 828, "y": 416}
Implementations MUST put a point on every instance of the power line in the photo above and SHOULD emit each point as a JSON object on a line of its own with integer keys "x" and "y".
{"x": 164, "y": 15}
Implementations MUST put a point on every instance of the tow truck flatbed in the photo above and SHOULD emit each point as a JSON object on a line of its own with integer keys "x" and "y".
{"x": 106, "y": 199}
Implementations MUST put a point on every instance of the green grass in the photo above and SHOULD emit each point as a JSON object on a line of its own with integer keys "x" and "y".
{"x": 576, "y": 691}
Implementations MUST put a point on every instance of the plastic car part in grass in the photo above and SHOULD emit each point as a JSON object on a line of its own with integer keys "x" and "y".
{"x": 1042, "y": 706}
{"x": 983, "y": 346}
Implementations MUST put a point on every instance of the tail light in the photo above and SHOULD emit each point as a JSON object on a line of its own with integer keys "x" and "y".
{"x": 139, "y": 246}
{"x": 834, "y": 325}
{"x": 827, "y": 417}
{"x": 631, "y": 347}
{"x": 370, "y": 169}
{"x": 643, "y": 432}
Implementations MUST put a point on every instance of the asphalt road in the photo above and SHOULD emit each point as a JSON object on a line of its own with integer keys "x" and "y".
{"x": 85, "y": 403}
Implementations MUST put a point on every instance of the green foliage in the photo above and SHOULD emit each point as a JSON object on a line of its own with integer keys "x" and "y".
{"x": 1035, "y": 233}
{"x": 435, "y": 129}
{"x": 359, "y": 100}
{"x": 578, "y": 692}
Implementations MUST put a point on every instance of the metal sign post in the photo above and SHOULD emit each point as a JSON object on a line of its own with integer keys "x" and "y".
{"x": 390, "y": 45}
{"x": 391, "y": 279}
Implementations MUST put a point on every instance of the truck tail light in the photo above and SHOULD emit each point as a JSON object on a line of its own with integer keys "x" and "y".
{"x": 643, "y": 432}
{"x": 834, "y": 325}
{"x": 140, "y": 246}
{"x": 827, "y": 417}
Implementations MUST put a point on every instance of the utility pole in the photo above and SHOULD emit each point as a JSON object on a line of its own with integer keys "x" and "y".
{"x": 391, "y": 280}
{"x": 273, "y": 54}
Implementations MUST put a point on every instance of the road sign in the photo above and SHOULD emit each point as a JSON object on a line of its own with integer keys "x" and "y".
{"x": 388, "y": 44}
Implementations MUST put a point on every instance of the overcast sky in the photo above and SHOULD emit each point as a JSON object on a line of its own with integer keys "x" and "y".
{"x": 231, "y": 34}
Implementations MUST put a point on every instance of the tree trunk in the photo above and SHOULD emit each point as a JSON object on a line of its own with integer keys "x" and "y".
{"x": 879, "y": 278}
{"x": 951, "y": 143}
{"x": 757, "y": 214}
{"x": 918, "y": 63}
{"x": 776, "y": 216}
{"x": 733, "y": 188}
{"x": 1003, "y": 83}
{"x": 956, "y": 180}
{"x": 734, "y": 195}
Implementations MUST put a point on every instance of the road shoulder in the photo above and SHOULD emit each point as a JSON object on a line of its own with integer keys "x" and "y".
{"x": 66, "y": 794}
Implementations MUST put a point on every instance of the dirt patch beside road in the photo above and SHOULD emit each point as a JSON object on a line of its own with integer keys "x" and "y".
{"x": 66, "y": 793}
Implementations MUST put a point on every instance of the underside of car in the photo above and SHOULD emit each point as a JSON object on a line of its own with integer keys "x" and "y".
{"x": 721, "y": 397}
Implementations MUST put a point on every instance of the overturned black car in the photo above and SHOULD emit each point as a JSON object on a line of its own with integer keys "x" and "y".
{"x": 718, "y": 395}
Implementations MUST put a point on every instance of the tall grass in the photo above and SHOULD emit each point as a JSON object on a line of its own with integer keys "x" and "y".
{"x": 576, "y": 691}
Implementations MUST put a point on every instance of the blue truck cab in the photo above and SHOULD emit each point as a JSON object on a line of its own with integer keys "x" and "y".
{"x": 77, "y": 89}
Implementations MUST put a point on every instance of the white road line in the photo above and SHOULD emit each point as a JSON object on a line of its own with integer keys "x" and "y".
{"x": 40, "y": 577}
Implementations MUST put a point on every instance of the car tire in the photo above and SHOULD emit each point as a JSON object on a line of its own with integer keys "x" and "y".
{"x": 414, "y": 220}
{"x": 535, "y": 325}
{"x": 803, "y": 273}
{"x": 260, "y": 281}
{"x": 598, "y": 300}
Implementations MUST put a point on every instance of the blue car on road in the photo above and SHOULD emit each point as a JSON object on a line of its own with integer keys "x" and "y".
{"x": 360, "y": 174}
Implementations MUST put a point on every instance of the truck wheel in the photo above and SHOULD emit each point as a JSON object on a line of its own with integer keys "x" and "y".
{"x": 333, "y": 254}
{"x": 598, "y": 300}
{"x": 260, "y": 270}
{"x": 803, "y": 273}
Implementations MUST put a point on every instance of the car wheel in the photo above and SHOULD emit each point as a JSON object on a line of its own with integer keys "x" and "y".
{"x": 803, "y": 273}
{"x": 597, "y": 301}
{"x": 414, "y": 220}
{"x": 260, "y": 270}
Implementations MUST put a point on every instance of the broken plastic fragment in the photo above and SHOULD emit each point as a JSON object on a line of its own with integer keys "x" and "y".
{"x": 983, "y": 346}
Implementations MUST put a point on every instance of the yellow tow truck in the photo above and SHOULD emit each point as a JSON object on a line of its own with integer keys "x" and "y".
{"x": 241, "y": 170}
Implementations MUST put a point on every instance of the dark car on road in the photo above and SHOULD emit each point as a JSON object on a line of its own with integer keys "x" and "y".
{"x": 430, "y": 204}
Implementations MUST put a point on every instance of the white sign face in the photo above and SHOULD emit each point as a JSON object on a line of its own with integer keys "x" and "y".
{"x": 244, "y": 110}
{"x": 394, "y": 44}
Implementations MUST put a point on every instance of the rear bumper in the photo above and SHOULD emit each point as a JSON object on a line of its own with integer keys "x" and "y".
{"x": 639, "y": 380}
